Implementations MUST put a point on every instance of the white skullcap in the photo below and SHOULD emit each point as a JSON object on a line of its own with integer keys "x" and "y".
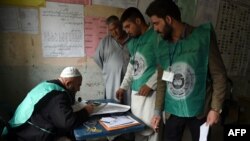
{"x": 70, "y": 72}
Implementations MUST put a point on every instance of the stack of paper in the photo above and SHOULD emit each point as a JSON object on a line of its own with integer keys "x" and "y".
{"x": 117, "y": 122}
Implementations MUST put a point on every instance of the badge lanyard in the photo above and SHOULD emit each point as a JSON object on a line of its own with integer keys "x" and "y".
{"x": 169, "y": 75}
{"x": 135, "y": 50}
{"x": 171, "y": 56}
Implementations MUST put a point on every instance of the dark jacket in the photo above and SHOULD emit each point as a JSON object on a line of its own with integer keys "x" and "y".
{"x": 54, "y": 114}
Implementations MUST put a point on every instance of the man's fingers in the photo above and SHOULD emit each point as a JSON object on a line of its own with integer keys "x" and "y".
{"x": 119, "y": 94}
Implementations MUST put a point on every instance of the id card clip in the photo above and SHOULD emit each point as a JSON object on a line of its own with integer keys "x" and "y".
{"x": 168, "y": 76}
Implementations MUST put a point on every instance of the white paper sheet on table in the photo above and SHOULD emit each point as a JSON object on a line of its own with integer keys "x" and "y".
{"x": 118, "y": 120}
{"x": 106, "y": 108}
{"x": 103, "y": 108}
{"x": 204, "y": 132}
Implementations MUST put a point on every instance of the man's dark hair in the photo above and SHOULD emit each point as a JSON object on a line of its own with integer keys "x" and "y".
{"x": 112, "y": 19}
{"x": 131, "y": 14}
{"x": 163, "y": 8}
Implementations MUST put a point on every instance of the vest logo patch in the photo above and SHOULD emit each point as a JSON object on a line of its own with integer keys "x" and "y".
{"x": 139, "y": 65}
{"x": 184, "y": 80}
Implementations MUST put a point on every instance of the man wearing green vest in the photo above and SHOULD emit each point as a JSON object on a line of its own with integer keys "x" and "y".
{"x": 141, "y": 74}
{"x": 46, "y": 112}
{"x": 193, "y": 72}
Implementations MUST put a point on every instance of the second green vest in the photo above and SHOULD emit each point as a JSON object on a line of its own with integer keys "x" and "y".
{"x": 185, "y": 96}
{"x": 143, "y": 58}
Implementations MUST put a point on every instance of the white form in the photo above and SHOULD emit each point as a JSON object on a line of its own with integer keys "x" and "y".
{"x": 204, "y": 128}
{"x": 107, "y": 108}
{"x": 103, "y": 108}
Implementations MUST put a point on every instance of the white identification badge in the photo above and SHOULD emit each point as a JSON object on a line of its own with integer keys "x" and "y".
{"x": 168, "y": 76}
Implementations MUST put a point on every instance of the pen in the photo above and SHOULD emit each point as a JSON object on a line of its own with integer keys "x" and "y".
{"x": 106, "y": 121}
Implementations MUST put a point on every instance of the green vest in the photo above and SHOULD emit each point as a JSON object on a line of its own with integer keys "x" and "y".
{"x": 185, "y": 96}
{"x": 143, "y": 57}
{"x": 26, "y": 108}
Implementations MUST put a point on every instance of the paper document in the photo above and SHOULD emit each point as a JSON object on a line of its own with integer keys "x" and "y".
{"x": 204, "y": 132}
{"x": 117, "y": 122}
{"x": 103, "y": 108}
{"x": 108, "y": 119}
{"x": 107, "y": 108}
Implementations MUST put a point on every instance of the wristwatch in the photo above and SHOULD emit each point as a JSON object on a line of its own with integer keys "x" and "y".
{"x": 217, "y": 110}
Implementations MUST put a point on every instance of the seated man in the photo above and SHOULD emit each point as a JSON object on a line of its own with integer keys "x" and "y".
{"x": 46, "y": 113}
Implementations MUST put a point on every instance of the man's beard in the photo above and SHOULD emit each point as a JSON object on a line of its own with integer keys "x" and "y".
{"x": 136, "y": 36}
{"x": 136, "y": 33}
{"x": 167, "y": 32}
{"x": 71, "y": 90}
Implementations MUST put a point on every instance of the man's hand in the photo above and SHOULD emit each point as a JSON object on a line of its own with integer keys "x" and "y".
{"x": 120, "y": 94}
{"x": 144, "y": 90}
{"x": 89, "y": 108}
{"x": 212, "y": 117}
{"x": 155, "y": 121}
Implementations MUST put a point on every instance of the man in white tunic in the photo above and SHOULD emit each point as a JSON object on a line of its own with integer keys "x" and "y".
{"x": 112, "y": 56}
{"x": 141, "y": 73}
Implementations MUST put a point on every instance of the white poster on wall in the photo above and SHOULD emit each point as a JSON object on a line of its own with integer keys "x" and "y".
{"x": 117, "y": 3}
{"x": 24, "y": 20}
{"x": 62, "y": 30}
